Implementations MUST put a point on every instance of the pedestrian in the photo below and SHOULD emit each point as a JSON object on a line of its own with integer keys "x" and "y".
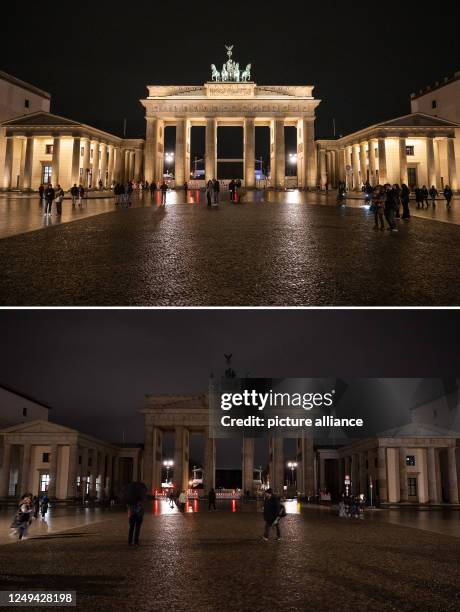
{"x": 44, "y": 505}
{"x": 389, "y": 208}
{"x": 397, "y": 199}
{"x": 212, "y": 499}
{"x": 163, "y": 189}
{"x": 433, "y": 195}
{"x": 273, "y": 511}
{"x": 81, "y": 194}
{"x": 59, "y": 198}
{"x": 405, "y": 198}
{"x": 232, "y": 189}
{"x": 424, "y": 196}
{"x": 238, "y": 190}
{"x": 36, "y": 506}
{"x": 448, "y": 195}
{"x": 49, "y": 197}
{"x": 171, "y": 497}
{"x": 419, "y": 197}
{"x": 100, "y": 185}
{"x": 153, "y": 188}
{"x": 135, "y": 518}
{"x": 209, "y": 191}
{"x": 185, "y": 188}
{"x": 74, "y": 193}
{"x": 182, "y": 500}
{"x": 21, "y": 519}
{"x": 216, "y": 188}
{"x": 41, "y": 193}
{"x": 378, "y": 204}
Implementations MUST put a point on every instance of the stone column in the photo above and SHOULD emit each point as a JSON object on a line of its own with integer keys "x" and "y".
{"x": 322, "y": 473}
{"x": 27, "y": 176}
{"x": 371, "y": 149}
{"x": 322, "y": 168}
{"x": 452, "y": 473}
{"x": 209, "y": 462}
{"x": 276, "y": 468}
{"x": 56, "y": 159}
{"x": 118, "y": 173}
{"x": 181, "y": 449}
{"x": 6, "y": 468}
{"x": 182, "y": 172}
{"x": 104, "y": 164}
{"x": 382, "y": 473}
{"x": 403, "y": 161}
{"x": 430, "y": 163}
{"x": 363, "y": 162}
{"x": 84, "y": 471}
{"x": 95, "y": 165}
{"x": 125, "y": 165}
{"x": 342, "y": 166}
{"x": 306, "y": 462}
{"x": 354, "y": 163}
{"x": 24, "y": 469}
{"x": 116, "y": 476}
{"x": 73, "y": 470}
{"x": 248, "y": 465}
{"x": 111, "y": 164}
{"x": 433, "y": 475}
{"x": 403, "y": 496}
{"x": 211, "y": 149}
{"x": 382, "y": 161}
{"x": 138, "y": 165}
{"x": 53, "y": 471}
{"x": 309, "y": 153}
{"x": 249, "y": 153}
{"x": 362, "y": 474}
{"x": 8, "y": 168}
{"x": 148, "y": 456}
{"x": 76, "y": 154}
{"x": 136, "y": 468}
{"x": 451, "y": 164}
{"x": 278, "y": 171}
{"x": 150, "y": 149}
{"x": 94, "y": 471}
{"x": 86, "y": 157}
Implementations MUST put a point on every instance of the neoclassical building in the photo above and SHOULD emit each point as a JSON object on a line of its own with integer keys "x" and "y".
{"x": 416, "y": 149}
{"x": 41, "y": 147}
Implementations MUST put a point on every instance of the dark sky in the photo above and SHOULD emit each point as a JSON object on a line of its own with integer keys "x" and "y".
{"x": 94, "y": 367}
{"x": 364, "y": 58}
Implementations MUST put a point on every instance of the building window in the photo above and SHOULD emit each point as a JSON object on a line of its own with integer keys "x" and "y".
{"x": 46, "y": 174}
{"x": 434, "y": 104}
{"x": 49, "y": 149}
{"x": 44, "y": 482}
{"x": 410, "y": 150}
{"x": 410, "y": 460}
{"x": 24, "y": 412}
{"x": 376, "y": 151}
{"x": 45, "y": 458}
{"x": 26, "y": 103}
{"x": 412, "y": 487}
{"x": 91, "y": 153}
{"x": 82, "y": 151}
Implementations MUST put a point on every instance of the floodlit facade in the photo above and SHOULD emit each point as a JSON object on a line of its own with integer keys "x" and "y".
{"x": 442, "y": 99}
{"x": 15, "y": 407}
{"x": 416, "y": 149}
{"x": 20, "y": 98}
{"x": 43, "y": 147}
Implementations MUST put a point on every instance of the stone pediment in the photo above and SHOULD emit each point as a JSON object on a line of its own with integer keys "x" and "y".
{"x": 38, "y": 426}
{"x": 418, "y": 120}
{"x": 419, "y": 430}
{"x": 177, "y": 401}
{"x": 40, "y": 119}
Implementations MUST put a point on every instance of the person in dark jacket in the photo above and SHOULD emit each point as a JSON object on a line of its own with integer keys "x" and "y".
{"x": 22, "y": 517}
{"x": 212, "y": 499}
{"x": 49, "y": 197}
{"x": 74, "y": 193}
{"x": 405, "y": 197}
{"x": 41, "y": 193}
{"x": 433, "y": 195}
{"x": 419, "y": 197}
{"x": 397, "y": 199}
{"x": 448, "y": 195}
{"x": 390, "y": 207}
{"x": 272, "y": 510}
{"x": 424, "y": 191}
{"x": 135, "y": 518}
{"x": 216, "y": 189}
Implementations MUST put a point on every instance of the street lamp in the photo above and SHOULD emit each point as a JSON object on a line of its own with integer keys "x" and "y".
{"x": 168, "y": 463}
{"x": 292, "y": 158}
{"x": 169, "y": 160}
{"x": 292, "y": 466}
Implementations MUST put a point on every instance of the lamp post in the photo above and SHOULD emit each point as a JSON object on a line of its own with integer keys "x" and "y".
{"x": 168, "y": 463}
{"x": 292, "y": 465}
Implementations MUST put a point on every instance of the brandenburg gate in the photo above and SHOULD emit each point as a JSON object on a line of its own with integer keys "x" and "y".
{"x": 231, "y": 98}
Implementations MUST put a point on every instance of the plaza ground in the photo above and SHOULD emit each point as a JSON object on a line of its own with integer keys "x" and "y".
{"x": 275, "y": 249}
{"x": 210, "y": 561}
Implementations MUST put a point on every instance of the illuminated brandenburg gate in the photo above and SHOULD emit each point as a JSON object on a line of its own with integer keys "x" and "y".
{"x": 230, "y": 99}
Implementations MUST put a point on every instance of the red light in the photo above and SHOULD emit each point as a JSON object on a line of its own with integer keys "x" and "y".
{"x": 233, "y": 505}
{"x": 155, "y": 507}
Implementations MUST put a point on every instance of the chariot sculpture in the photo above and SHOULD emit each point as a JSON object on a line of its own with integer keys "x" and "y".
{"x": 231, "y": 72}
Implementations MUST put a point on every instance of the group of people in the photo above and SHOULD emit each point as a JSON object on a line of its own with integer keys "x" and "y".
{"x": 123, "y": 193}
{"x": 212, "y": 192}
{"x": 422, "y": 194}
{"x": 48, "y": 194}
{"x": 351, "y": 506}
{"x": 29, "y": 508}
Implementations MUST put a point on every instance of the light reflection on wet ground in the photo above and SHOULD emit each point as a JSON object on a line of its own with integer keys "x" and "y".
{"x": 163, "y": 506}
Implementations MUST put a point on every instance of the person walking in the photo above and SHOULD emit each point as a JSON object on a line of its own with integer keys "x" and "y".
{"x": 49, "y": 197}
{"x": 209, "y": 192}
{"x": 448, "y": 195}
{"x": 74, "y": 194}
{"x": 41, "y": 193}
{"x": 216, "y": 189}
{"x": 397, "y": 199}
{"x": 405, "y": 198}
{"x": 182, "y": 501}
{"x": 81, "y": 194}
{"x": 232, "y": 189}
{"x": 390, "y": 208}
{"x": 433, "y": 195}
{"x": 153, "y": 188}
{"x": 36, "y": 506}
{"x": 163, "y": 189}
{"x": 44, "y": 505}
{"x": 212, "y": 499}
{"x": 378, "y": 204}
{"x": 272, "y": 514}
{"x": 59, "y": 198}
{"x": 424, "y": 191}
{"x": 21, "y": 519}
{"x": 135, "y": 518}
{"x": 419, "y": 197}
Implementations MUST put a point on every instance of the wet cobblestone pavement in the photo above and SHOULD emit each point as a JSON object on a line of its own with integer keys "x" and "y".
{"x": 217, "y": 561}
{"x": 257, "y": 253}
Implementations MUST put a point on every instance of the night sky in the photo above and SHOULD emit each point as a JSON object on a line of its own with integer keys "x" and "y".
{"x": 96, "y": 57}
{"x": 94, "y": 367}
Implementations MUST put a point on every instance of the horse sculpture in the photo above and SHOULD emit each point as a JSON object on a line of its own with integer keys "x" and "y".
{"x": 215, "y": 74}
{"x": 246, "y": 74}
{"x": 224, "y": 73}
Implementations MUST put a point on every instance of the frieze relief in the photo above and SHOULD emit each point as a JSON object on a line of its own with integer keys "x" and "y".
{"x": 229, "y": 108}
